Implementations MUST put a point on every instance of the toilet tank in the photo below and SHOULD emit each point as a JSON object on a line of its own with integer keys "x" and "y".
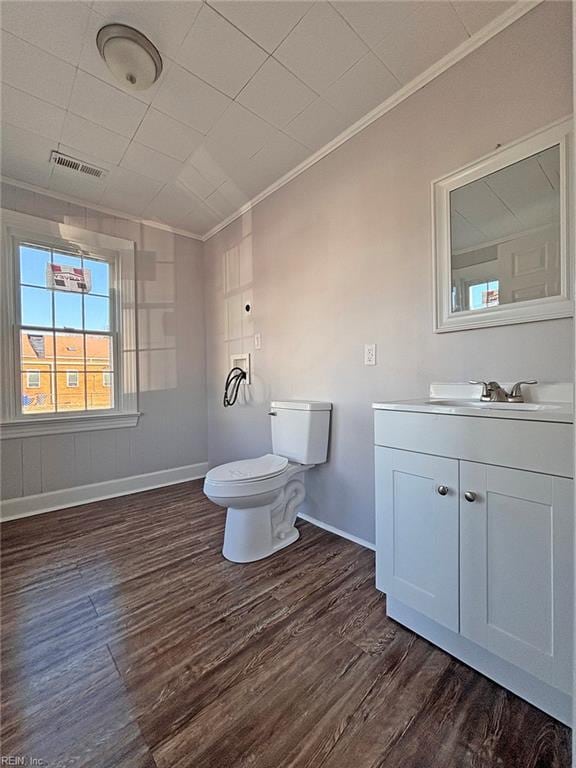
{"x": 300, "y": 430}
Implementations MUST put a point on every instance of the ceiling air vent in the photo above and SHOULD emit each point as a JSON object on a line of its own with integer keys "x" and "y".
{"x": 78, "y": 166}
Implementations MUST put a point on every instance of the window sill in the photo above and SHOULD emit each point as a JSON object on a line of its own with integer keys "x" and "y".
{"x": 58, "y": 425}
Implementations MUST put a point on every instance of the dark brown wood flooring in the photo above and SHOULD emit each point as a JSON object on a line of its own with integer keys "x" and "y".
{"x": 129, "y": 642}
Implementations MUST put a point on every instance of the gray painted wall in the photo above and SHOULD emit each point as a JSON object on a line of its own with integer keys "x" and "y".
{"x": 341, "y": 256}
{"x": 172, "y": 431}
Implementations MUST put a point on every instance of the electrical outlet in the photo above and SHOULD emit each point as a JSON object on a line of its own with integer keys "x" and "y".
{"x": 257, "y": 341}
{"x": 369, "y": 354}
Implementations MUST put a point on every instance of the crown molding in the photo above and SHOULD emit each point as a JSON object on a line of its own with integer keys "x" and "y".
{"x": 497, "y": 25}
{"x": 100, "y": 208}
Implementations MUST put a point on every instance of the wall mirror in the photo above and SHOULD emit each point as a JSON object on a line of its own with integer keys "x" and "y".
{"x": 501, "y": 236}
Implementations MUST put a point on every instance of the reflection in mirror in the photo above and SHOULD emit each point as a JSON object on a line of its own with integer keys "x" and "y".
{"x": 505, "y": 235}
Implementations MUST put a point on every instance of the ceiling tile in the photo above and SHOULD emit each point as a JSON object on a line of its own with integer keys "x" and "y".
{"x": 87, "y": 137}
{"x": 426, "y": 34}
{"x": 204, "y": 160}
{"x": 200, "y": 219}
{"x": 220, "y": 204}
{"x": 360, "y": 89}
{"x": 77, "y": 185}
{"x": 105, "y": 105}
{"x": 36, "y": 72}
{"x": 240, "y": 132}
{"x": 128, "y": 191}
{"x": 267, "y": 22}
{"x": 57, "y": 27}
{"x": 275, "y": 94}
{"x": 204, "y": 46}
{"x": 151, "y": 163}
{"x": 321, "y": 47}
{"x": 92, "y": 63}
{"x": 26, "y": 111}
{"x": 475, "y": 14}
{"x": 26, "y": 155}
{"x": 317, "y": 125}
{"x": 190, "y": 100}
{"x": 171, "y": 204}
{"x": 158, "y": 131}
{"x": 373, "y": 19}
{"x": 190, "y": 178}
{"x": 165, "y": 24}
{"x": 279, "y": 156}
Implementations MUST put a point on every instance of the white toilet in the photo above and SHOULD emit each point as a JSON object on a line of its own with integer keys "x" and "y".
{"x": 262, "y": 494}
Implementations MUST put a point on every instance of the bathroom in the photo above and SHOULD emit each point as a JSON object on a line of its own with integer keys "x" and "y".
{"x": 274, "y": 195}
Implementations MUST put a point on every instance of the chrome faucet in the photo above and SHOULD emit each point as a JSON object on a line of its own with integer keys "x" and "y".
{"x": 492, "y": 392}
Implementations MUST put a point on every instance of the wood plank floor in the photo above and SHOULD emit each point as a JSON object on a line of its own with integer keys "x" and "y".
{"x": 129, "y": 642}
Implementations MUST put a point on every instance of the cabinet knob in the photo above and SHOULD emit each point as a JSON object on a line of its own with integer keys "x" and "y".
{"x": 470, "y": 496}
{"x": 442, "y": 490}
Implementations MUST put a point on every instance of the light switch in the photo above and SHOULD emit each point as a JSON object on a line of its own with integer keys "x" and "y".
{"x": 369, "y": 354}
{"x": 257, "y": 341}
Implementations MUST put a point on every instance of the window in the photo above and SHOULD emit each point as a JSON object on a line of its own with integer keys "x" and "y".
{"x": 65, "y": 306}
{"x": 71, "y": 378}
{"x": 484, "y": 294}
{"x": 33, "y": 379}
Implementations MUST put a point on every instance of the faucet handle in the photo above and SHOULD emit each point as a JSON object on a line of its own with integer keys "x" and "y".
{"x": 516, "y": 391}
{"x": 485, "y": 393}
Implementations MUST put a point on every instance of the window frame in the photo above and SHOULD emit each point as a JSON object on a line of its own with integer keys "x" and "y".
{"x": 20, "y": 228}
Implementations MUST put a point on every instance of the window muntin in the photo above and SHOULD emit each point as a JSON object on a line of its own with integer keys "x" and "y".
{"x": 70, "y": 336}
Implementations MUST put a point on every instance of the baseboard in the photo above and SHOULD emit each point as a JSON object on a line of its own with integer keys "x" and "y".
{"x": 337, "y": 531}
{"x": 25, "y": 506}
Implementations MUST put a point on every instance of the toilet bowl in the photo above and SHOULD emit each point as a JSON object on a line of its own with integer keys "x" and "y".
{"x": 262, "y": 495}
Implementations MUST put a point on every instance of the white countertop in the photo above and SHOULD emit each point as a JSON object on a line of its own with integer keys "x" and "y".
{"x": 546, "y": 402}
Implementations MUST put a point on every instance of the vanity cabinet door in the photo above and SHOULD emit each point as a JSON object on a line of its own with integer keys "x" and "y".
{"x": 417, "y": 532}
{"x": 516, "y": 568}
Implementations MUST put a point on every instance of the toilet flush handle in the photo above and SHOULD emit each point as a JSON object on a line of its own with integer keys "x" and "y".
{"x": 272, "y": 413}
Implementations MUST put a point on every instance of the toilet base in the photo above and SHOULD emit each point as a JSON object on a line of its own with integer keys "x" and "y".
{"x": 253, "y": 533}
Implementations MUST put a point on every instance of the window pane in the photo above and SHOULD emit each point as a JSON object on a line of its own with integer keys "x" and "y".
{"x": 69, "y": 351}
{"x": 33, "y": 263}
{"x": 65, "y": 258}
{"x": 70, "y": 393}
{"x": 99, "y": 364}
{"x": 36, "y": 307}
{"x": 100, "y": 271}
{"x": 36, "y": 350}
{"x": 67, "y": 310}
{"x": 96, "y": 313}
{"x": 38, "y": 399}
{"x": 99, "y": 394}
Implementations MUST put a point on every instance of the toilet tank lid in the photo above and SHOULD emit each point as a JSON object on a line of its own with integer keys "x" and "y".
{"x": 301, "y": 405}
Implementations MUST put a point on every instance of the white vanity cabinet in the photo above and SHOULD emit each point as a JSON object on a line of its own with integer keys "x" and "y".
{"x": 474, "y": 545}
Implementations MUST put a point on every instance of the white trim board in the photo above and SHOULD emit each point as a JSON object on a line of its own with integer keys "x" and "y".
{"x": 337, "y": 531}
{"x": 25, "y": 506}
{"x": 497, "y": 25}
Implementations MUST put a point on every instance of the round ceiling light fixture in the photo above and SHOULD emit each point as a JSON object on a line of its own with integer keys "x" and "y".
{"x": 130, "y": 56}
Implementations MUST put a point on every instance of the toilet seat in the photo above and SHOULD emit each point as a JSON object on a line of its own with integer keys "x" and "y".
{"x": 247, "y": 470}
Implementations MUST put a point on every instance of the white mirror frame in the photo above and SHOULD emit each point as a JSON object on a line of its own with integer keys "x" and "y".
{"x": 523, "y": 311}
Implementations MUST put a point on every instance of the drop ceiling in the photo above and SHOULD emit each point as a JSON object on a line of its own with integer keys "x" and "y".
{"x": 250, "y": 89}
